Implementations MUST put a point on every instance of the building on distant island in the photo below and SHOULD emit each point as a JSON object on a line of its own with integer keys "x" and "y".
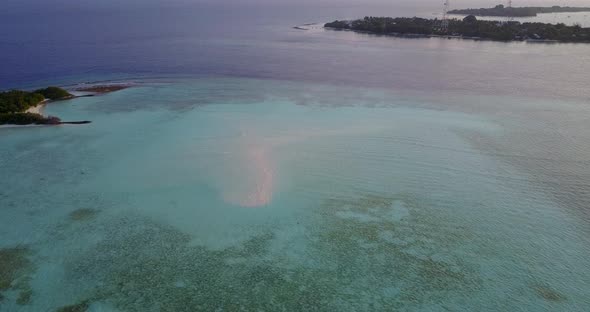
{"x": 501, "y": 10}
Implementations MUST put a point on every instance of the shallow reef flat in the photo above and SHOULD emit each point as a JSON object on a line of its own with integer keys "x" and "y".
{"x": 249, "y": 195}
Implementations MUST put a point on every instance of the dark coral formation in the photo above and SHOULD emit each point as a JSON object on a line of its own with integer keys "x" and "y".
{"x": 83, "y": 214}
{"x": 355, "y": 250}
{"x": 15, "y": 271}
{"x": 384, "y": 251}
{"x": 548, "y": 293}
{"x": 78, "y": 307}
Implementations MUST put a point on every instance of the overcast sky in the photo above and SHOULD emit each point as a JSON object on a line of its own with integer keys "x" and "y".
{"x": 458, "y": 3}
{"x": 24, "y": 5}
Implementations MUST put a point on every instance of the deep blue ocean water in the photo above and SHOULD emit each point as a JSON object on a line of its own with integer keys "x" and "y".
{"x": 72, "y": 41}
{"x": 257, "y": 167}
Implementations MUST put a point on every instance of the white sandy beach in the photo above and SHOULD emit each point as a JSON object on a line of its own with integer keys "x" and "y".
{"x": 37, "y": 109}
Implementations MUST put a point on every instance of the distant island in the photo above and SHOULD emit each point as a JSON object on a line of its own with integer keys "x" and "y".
{"x": 468, "y": 28}
{"x": 19, "y": 107}
{"x": 501, "y": 10}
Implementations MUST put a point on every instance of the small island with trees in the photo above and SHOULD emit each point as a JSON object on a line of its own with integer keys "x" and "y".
{"x": 468, "y": 28}
{"x": 16, "y": 105}
{"x": 501, "y": 10}
{"x": 19, "y": 107}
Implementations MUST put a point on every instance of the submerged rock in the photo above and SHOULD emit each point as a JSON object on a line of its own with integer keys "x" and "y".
{"x": 548, "y": 293}
{"x": 24, "y": 297}
{"x": 78, "y": 307}
{"x": 83, "y": 214}
{"x": 13, "y": 264}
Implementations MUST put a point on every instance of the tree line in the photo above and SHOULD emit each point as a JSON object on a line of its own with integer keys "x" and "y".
{"x": 16, "y": 101}
{"x": 468, "y": 27}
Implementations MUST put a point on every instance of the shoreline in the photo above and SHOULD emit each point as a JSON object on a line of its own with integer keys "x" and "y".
{"x": 41, "y": 119}
{"x": 38, "y": 109}
{"x": 423, "y": 36}
{"x": 84, "y": 91}
{"x": 8, "y": 126}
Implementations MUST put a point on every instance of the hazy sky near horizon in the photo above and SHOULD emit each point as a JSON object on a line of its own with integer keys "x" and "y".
{"x": 421, "y": 3}
{"x": 23, "y": 9}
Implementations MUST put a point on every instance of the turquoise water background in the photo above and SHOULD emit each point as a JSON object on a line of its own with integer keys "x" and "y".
{"x": 257, "y": 167}
{"x": 226, "y": 194}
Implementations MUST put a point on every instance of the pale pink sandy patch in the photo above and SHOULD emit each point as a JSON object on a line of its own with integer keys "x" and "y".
{"x": 255, "y": 179}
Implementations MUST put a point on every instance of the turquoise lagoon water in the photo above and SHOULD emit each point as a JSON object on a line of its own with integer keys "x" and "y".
{"x": 262, "y": 195}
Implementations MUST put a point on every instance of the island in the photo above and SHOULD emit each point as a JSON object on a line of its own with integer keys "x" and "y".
{"x": 501, "y": 10}
{"x": 19, "y": 107}
{"x": 468, "y": 28}
{"x": 103, "y": 89}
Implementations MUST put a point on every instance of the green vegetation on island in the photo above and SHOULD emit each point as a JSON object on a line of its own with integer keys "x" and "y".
{"x": 501, "y": 10}
{"x": 54, "y": 93}
{"x": 15, "y": 103}
{"x": 470, "y": 28}
{"x": 28, "y": 119}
